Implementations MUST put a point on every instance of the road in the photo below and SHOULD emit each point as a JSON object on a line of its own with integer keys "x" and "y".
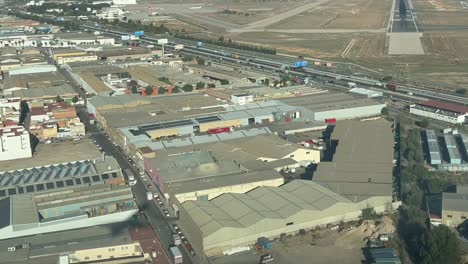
{"x": 160, "y": 223}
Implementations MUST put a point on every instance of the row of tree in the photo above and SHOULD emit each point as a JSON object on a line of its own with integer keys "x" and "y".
{"x": 228, "y": 43}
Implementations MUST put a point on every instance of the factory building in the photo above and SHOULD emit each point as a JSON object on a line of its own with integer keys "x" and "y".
{"x": 358, "y": 177}
{"x": 207, "y": 170}
{"x": 433, "y": 147}
{"x": 14, "y": 143}
{"x": 35, "y": 213}
{"x": 60, "y": 177}
{"x": 447, "y": 112}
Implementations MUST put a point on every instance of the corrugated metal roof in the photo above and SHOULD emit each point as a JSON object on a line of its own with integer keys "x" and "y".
{"x": 461, "y": 109}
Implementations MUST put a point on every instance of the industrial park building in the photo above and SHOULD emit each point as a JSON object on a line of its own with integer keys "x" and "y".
{"x": 447, "y": 112}
{"x": 32, "y": 214}
{"x": 359, "y": 176}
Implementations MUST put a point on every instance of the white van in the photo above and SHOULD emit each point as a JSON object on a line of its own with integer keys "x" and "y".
{"x": 131, "y": 180}
{"x": 149, "y": 196}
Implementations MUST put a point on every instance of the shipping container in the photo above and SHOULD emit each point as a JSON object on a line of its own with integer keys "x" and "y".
{"x": 219, "y": 130}
{"x": 330, "y": 120}
{"x": 265, "y": 243}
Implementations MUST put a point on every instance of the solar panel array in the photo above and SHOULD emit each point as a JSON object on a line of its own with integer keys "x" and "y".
{"x": 451, "y": 144}
{"x": 51, "y": 177}
{"x": 434, "y": 152}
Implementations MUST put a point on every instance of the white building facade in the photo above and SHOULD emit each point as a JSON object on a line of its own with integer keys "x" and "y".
{"x": 445, "y": 116}
{"x": 14, "y": 143}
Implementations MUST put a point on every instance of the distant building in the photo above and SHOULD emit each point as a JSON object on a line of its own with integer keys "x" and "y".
{"x": 450, "y": 209}
{"x": 242, "y": 99}
{"x": 447, "y": 112}
{"x": 32, "y": 214}
{"x": 433, "y": 147}
{"x": 14, "y": 143}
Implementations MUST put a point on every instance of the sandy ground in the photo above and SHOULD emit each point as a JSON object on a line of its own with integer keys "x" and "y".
{"x": 322, "y": 246}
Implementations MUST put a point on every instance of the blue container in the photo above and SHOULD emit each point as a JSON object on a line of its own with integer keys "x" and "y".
{"x": 265, "y": 243}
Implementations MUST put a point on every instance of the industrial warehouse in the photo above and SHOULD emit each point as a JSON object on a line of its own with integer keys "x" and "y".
{"x": 447, "y": 151}
{"x": 359, "y": 176}
{"x": 205, "y": 171}
{"x": 447, "y": 112}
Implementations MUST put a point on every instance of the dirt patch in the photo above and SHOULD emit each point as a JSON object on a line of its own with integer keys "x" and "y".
{"x": 442, "y": 18}
{"x": 354, "y": 14}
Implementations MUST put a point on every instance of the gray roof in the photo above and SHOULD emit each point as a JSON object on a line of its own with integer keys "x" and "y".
{"x": 328, "y": 101}
{"x": 23, "y": 210}
{"x": 363, "y": 161}
{"x": 230, "y": 179}
{"x": 245, "y": 210}
{"x": 455, "y": 202}
{"x": 176, "y": 161}
{"x": 45, "y": 92}
{"x": 5, "y": 212}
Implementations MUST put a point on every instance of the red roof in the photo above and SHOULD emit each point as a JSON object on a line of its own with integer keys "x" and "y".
{"x": 9, "y": 123}
{"x": 37, "y": 111}
{"x": 445, "y": 106}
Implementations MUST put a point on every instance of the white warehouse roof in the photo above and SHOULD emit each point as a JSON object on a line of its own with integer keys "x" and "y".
{"x": 366, "y": 92}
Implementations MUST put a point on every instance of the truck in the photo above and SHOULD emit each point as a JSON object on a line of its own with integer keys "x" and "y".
{"x": 176, "y": 255}
{"x": 352, "y": 85}
{"x": 391, "y": 86}
{"x": 219, "y": 130}
{"x": 178, "y": 46}
{"x": 149, "y": 196}
{"x": 177, "y": 240}
{"x": 131, "y": 177}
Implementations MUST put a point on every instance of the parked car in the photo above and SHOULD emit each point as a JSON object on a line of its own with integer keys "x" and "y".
{"x": 166, "y": 213}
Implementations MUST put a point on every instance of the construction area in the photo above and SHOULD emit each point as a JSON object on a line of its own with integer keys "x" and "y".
{"x": 333, "y": 244}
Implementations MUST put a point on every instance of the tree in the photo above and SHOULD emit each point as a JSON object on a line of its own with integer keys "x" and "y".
{"x": 463, "y": 229}
{"x": 267, "y": 82}
{"x": 384, "y": 111}
{"x": 58, "y": 99}
{"x": 439, "y": 245}
{"x": 187, "y": 88}
{"x": 461, "y": 91}
{"x": 176, "y": 89}
{"x": 224, "y": 82}
{"x": 187, "y": 58}
{"x": 134, "y": 89}
{"x": 161, "y": 90}
{"x": 149, "y": 90}
{"x": 75, "y": 99}
{"x": 164, "y": 79}
{"x": 387, "y": 78}
{"x": 211, "y": 85}
{"x": 221, "y": 39}
{"x": 200, "y": 85}
{"x": 423, "y": 123}
{"x": 200, "y": 61}
{"x": 369, "y": 214}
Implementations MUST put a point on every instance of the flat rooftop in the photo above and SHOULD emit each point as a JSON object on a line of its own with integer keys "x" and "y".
{"x": 55, "y": 154}
{"x": 362, "y": 164}
{"x": 158, "y": 109}
{"x": 45, "y": 92}
{"x": 34, "y": 80}
{"x": 179, "y": 164}
{"x": 328, "y": 101}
